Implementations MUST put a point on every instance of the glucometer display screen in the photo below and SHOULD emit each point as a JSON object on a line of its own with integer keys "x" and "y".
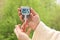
{"x": 25, "y": 11}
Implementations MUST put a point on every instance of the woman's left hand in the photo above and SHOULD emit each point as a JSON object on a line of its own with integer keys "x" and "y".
{"x": 21, "y": 33}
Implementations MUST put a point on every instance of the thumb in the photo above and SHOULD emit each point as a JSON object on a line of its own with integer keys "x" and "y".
{"x": 24, "y": 26}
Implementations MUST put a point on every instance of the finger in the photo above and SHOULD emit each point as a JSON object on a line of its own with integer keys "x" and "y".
{"x": 31, "y": 24}
{"x": 21, "y": 18}
{"x": 31, "y": 16}
{"x": 33, "y": 12}
{"x": 19, "y": 11}
{"x": 28, "y": 31}
{"x": 24, "y": 26}
{"x": 19, "y": 25}
{"x": 15, "y": 31}
{"x": 18, "y": 28}
{"x": 20, "y": 15}
{"x": 17, "y": 34}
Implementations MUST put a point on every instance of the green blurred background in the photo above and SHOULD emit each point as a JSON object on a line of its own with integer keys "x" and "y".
{"x": 48, "y": 11}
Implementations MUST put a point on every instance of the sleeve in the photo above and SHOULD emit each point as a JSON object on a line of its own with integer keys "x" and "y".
{"x": 58, "y": 37}
{"x": 43, "y": 32}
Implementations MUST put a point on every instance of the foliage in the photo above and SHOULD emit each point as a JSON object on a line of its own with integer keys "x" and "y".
{"x": 47, "y": 10}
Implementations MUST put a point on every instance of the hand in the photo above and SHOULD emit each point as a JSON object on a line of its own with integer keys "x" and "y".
{"x": 33, "y": 20}
{"x": 19, "y": 31}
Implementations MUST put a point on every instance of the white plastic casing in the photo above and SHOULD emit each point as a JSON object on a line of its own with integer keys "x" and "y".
{"x": 25, "y": 10}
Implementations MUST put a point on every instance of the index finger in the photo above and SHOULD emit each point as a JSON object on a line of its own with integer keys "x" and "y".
{"x": 19, "y": 11}
{"x": 24, "y": 26}
{"x": 33, "y": 12}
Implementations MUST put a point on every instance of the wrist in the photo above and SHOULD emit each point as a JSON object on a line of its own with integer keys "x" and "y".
{"x": 36, "y": 26}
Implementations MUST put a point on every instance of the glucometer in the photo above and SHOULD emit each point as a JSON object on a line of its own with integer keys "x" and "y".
{"x": 25, "y": 11}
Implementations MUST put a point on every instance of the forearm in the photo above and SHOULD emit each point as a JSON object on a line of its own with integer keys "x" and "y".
{"x": 43, "y": 32}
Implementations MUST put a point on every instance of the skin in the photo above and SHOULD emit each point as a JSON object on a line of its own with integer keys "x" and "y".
{"x": 31, "y": 24}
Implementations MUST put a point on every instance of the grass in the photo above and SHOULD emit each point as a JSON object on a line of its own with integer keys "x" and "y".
{"x": 48, "y": 11}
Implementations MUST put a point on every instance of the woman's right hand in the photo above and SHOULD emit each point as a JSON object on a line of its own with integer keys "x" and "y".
{"x": 33, "y": 20}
